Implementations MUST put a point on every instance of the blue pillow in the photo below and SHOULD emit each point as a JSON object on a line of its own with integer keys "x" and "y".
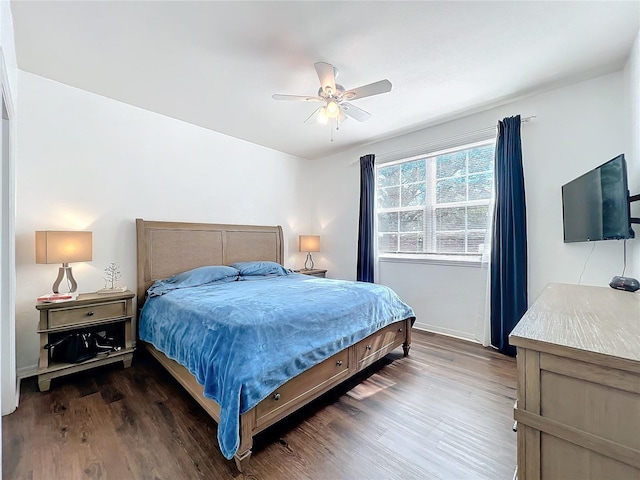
{"x": 193, "y": 278}
{"x": 247, "y": 278}
{"x": 260, "y": 268}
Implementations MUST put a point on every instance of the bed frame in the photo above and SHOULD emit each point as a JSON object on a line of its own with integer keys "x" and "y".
{"x": 167, "y": 248}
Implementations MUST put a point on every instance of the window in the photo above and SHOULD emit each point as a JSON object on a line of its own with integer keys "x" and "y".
{"x": 436, "y": 203}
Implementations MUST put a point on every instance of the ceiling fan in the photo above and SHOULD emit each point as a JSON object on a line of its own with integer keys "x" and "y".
{"x": 336, "y": 98}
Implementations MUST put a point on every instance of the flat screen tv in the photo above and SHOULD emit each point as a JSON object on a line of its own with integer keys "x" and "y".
{"x": 595, "y": 206}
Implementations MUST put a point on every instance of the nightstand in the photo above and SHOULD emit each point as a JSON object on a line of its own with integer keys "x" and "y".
{"x": 314, "y": 272}
{"x": 111, "y": 313}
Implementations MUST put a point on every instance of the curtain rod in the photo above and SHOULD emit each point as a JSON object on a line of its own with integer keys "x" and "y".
{"x": 444, "y": 140}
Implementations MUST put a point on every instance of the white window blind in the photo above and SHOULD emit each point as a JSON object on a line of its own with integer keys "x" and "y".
{"x": 436, "y": 203}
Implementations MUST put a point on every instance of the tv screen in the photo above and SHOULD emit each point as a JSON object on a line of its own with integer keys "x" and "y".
{"x": 595, "y": 206}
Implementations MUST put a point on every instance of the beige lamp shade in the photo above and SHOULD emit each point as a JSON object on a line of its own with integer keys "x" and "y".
{"x": 309, "y": 243}
{"x": 63, "y": 247}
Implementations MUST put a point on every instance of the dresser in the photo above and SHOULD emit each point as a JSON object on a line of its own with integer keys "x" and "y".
{"x": 578, "y": 407}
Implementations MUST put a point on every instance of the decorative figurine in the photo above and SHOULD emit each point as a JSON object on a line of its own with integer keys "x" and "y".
{"x": 112, "y": 275}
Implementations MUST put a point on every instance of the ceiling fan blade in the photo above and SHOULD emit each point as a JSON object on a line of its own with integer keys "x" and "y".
{"x": 382, "y": 86}
{"x": 313, "y": 117}
{"x": 301, "y": 98}
{"x": 327, "y": 77}
{"x": 342, "y": 117}
{"x": 355, "y": 112}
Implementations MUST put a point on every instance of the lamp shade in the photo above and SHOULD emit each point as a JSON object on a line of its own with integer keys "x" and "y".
{"x": 309, "y": 243}
{"x": 63, "y": 247}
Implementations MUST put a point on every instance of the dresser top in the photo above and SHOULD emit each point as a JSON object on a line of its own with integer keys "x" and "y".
{"x": 598, "y": 321}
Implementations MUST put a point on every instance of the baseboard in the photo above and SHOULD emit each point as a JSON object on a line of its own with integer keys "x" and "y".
{"x": 22, "y": 373}
{"x": 26, "y": 372}
{"x": 446, "y": 331}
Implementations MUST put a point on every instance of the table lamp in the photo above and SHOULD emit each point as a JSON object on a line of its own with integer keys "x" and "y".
{"x": 309, "y": 243}
{"x": 64, "y": 248}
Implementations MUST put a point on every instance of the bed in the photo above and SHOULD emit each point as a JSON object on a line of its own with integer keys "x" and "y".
{"x": 264, "y": 381}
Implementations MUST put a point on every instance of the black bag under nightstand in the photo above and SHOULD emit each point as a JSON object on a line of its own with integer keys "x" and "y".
{"x": 76, "y": 347}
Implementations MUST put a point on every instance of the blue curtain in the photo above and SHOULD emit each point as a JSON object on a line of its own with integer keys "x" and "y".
{"x": 509, "y": 239}
{"x": 366, "y": 256}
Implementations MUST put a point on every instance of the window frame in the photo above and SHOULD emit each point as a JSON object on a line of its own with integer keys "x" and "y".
{"x": 429, "y": 209}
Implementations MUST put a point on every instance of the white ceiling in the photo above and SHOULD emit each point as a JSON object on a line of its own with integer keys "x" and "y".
{"x": 216, "y": 64}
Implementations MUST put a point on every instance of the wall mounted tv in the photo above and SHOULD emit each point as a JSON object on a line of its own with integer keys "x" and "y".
{"x": 595, "y": 206}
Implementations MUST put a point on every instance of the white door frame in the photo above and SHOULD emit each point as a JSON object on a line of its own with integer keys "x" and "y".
{"x": 8, "y": 377}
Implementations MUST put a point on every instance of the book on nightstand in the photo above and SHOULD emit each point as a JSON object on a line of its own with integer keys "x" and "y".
{"x": 57, "y": 297}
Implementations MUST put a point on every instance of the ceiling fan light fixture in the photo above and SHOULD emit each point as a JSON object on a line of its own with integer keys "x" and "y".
{"x": 322, "y": 117}
{"x": 332, "y": 109}
{"x": 334, "y": 98}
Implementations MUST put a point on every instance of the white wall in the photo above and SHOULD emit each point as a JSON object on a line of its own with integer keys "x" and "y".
{"x": 577, "y": 128}
{"x": 89, "y": 162}
{"x": 632, "y": 90}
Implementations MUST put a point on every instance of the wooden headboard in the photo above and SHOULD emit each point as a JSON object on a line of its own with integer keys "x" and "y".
{"x": 167, "y": 248}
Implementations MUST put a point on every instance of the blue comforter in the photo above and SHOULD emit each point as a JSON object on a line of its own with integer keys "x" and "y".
{"x": 244, "y": 339}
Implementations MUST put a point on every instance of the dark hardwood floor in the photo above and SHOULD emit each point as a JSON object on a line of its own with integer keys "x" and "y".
{"x": 444, "y": 412}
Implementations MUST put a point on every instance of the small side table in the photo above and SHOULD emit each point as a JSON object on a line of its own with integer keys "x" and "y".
{"x": 111, "y": 312}
{"x": 314, "y": 272}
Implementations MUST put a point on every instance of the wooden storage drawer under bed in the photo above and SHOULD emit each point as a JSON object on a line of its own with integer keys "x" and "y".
{"x": 379, "y": 344}
{"x": 330, "y": 371}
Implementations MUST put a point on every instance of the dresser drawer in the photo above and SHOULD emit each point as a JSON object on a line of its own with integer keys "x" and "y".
{"x": 306, "y": 384}
{"x": 589, "y": 406}
{"x": 79, "y": 315}
{"x": 378, "y": 344}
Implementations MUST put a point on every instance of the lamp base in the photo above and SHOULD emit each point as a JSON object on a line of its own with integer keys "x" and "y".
{"x": 307, "y": 261}
{"x": 65, "y": 269}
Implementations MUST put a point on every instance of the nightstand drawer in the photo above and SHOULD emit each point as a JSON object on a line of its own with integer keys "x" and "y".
{"x": 94, "y": 313}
